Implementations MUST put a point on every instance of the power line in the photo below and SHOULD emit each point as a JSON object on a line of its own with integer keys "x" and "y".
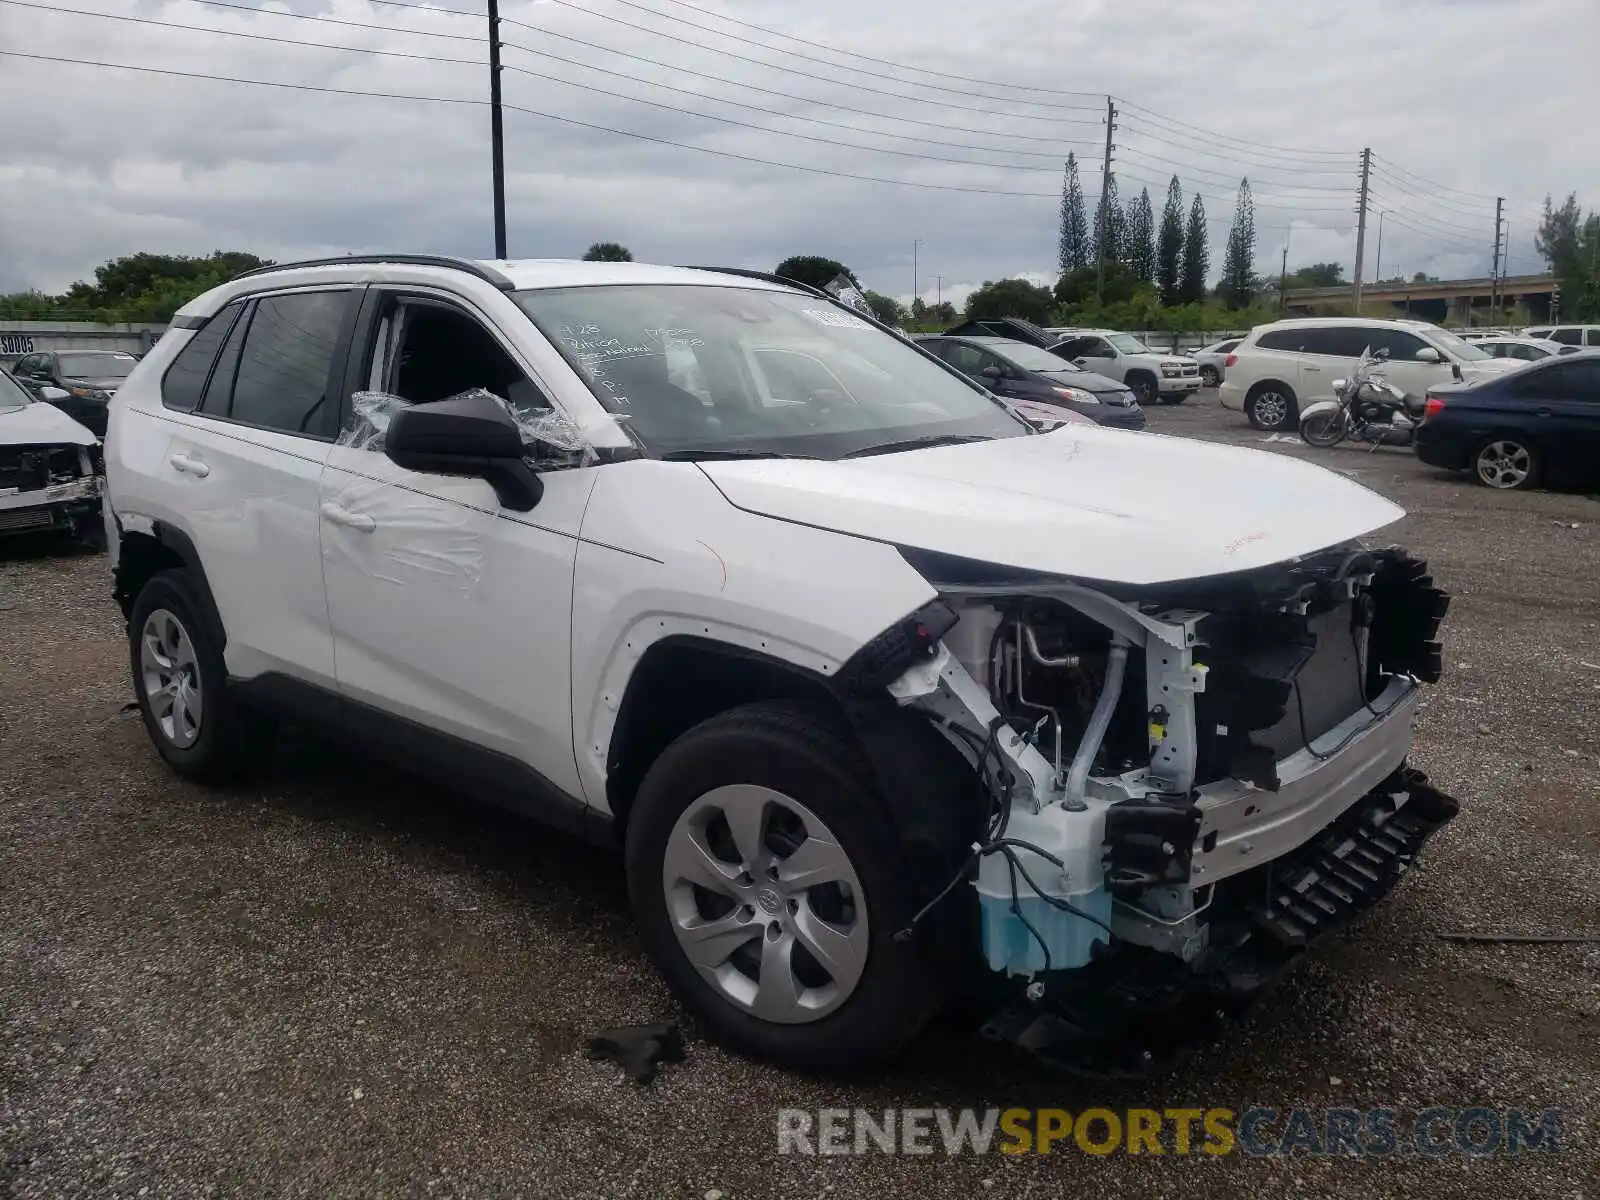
{"x": 256, "y": 37}
{"x": 1211, "y": 135}
{"x": 1051, "y": 156}
{"x": 533, "y": 112}
{"x": 1429, "y": 183}
{"x": 789, "y": 37}
{"x": 965, "y": 92}
{"x": 269, "y": 12}
{"x": 772, "y": 66}
{"x": 833, "y": 104}
{"x": 1388, "y": 204}
{"x": 1321, "y": 191}
{"x": 1192, "y": 144}
{"x": 1265, "y": 201}
{"x": 1432, "y": 199}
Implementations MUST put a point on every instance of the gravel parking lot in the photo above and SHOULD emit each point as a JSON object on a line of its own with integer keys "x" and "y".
{"x": 341, "y": 981}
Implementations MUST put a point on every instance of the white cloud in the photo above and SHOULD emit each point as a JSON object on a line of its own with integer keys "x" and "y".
{"x": 98, "y": 163}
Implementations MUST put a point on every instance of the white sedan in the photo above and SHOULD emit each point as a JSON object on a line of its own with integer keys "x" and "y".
{"x": 1213, "y": 361}
{"x": 1526, "y": 349}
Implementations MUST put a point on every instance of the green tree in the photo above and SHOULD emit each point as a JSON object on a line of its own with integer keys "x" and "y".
{"x": 1569, "y": 242}
{"x": 607, "y": 252}
{"x": 140, "y": 287}
{"x": 1238, "y": 284}
{"x": 1169, "y": 248}
{"x": 1318, "y": 275}
{"x": 1108, "y": 224}
{"x": 814, "y": 270}
{"x": 1072, "y": 248}
{"x": 1010, "y": 298}
{"x": 1196, "y": 256}
{"x": 885, "y": 308}
{"x": 1139, "y": 238}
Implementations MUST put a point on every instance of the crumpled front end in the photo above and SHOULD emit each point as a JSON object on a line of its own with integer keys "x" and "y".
{"x": 48, "y": 487}
{"x": 1190, "y": 782}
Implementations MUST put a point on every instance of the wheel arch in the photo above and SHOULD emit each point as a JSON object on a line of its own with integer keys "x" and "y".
{"x": 144, "y": 553}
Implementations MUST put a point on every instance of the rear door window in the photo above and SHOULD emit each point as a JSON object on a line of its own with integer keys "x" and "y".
{"x": 283, "y": 380}
{"x": 1281, "y": 339}
{"x": 1567, "y": 337}
{"x": 185, "y": 381}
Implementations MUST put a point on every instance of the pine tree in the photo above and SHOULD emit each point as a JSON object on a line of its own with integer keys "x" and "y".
{"x": 1196, "y": 257}
{"x": 1140, "y": 238}
{"x": 1108, "y": 224}
{"x": 1073, "y": 248}
{"x": 1169, "y": 252}
{"x": 1238, "y": 261}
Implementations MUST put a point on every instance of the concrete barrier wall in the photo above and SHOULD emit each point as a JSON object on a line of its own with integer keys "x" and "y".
{"x": 37, "y": 337}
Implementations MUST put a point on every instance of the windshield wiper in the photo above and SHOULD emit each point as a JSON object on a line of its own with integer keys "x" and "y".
{"x": 714, "y": 453}
{"x": 921, "y": 443}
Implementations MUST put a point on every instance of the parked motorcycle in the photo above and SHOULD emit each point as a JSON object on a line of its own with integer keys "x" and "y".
{"x": 1366, "y": 407}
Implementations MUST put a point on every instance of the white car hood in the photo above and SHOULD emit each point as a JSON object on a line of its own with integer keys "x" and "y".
{"x": 41, "y": 424}
{"x": 1085, "y": 502}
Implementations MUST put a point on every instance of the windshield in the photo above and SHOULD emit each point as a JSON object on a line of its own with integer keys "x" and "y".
{"x": 12, "y": 394}
{"x": 97, "y": 366}
{"x": 1455, "y": 347}
{"x": 689, "y": 368}
{"x": 1128, "y": 344}
{"x": 1032, "y": 358}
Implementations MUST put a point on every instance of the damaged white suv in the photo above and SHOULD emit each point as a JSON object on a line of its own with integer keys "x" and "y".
{"x": 885, "y": 694}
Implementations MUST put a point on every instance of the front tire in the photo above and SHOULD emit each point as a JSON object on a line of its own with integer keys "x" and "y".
{"x": 181, "y": 684}
{"x": 1506, "y": 462}
{"x": 1143, "y": 387}
{"x": 1271, "y": 407}
{"x": 768, "y": 883}
{"x": 1324, "y": 429}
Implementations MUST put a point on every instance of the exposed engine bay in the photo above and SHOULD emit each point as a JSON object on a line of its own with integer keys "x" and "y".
{"x": 1189, "y": 782}
{"x": 46, "y": 487}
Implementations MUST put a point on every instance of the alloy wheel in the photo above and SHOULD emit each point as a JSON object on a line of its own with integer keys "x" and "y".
{"x": 1271, "y": 409}
{"x": 1504, "y": 464}
{"x": 766, "y": 904}
{"x": 170, "y": 675}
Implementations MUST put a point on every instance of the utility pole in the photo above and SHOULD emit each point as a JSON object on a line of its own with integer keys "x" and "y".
{"x": 1283, "y": 276}
{"x": 915, "y": 244}
{"x": 938, "y": 283}
{"x": 1361, "y": 226}
{"x": 1377, "y": 267}
{"x": 1494, "y": 274}
{"x": 1105, "y": 187}
{"x": 497, "y": 137}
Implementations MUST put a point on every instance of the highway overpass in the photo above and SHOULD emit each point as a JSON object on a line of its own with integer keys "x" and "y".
{"x": 1458, "y": 301}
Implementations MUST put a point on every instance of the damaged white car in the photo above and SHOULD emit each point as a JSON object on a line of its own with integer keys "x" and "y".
{"x": 49, "y": 479}
{"x": 885, "y": 694}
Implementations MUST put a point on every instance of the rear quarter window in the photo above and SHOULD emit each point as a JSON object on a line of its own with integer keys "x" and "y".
{"x": 185, "y": 381}
{"x": 1281, "y": 339}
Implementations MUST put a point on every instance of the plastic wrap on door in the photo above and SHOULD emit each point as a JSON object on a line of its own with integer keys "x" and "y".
{"x": 552, "y": 440}
{"x": 420, "y": 540}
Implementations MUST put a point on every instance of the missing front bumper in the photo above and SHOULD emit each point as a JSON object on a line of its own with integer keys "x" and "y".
{"x": 1134, "y": 1010}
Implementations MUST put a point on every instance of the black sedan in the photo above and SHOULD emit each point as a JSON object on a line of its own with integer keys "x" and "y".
{"x": 1540, "y": 424}
{"x": 1017, "y": 370}
{"x": 89, "y": 377}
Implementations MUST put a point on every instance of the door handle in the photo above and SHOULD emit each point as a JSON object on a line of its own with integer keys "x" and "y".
{"x": 1312, "y": 370}
{"x": 1542, "y": 412}
{"x": 189, "y": 466}
{"x": 350, "y": 520}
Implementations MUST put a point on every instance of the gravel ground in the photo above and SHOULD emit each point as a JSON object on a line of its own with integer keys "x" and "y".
{"x": 339, "y": 981}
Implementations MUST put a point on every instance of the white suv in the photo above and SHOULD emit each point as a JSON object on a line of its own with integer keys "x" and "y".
{"x": 1151, "y": 375}
{"x": 1288, "y": 364}
{"x": 883, "y": 693}
{"x": 1566, "y": 335}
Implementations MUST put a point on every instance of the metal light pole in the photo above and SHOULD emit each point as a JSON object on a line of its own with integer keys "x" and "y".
{"x": 497, "y": 140}
{"x": 915, "y": 245}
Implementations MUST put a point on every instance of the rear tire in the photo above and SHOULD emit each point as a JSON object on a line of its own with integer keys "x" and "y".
{"x": 1506, "y": 462}
{"x": 1210, "y": 377}
{"x": 181, "y": 684}
{"x": 712, "y": 841}
{"x": 1271, "y": 407}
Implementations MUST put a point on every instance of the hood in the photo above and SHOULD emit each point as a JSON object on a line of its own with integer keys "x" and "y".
{"x": 41, "y": 424}
{"x": 1087, "y": 380}
{"x": 1084, "y": 502}
{"x": 107, "y": 383}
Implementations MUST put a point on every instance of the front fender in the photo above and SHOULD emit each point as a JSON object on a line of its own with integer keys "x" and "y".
{"x": 1318, "y": 408}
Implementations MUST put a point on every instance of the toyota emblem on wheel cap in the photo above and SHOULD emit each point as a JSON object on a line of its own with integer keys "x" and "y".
{"x": 769, "y": 899}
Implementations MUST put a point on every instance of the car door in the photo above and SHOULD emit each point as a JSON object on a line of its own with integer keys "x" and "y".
{"x": 1406, "y": 368}
{"x": 1566, "y": 403}
{"x": 243, "y": 464}
{"x": 451, "y": 615}
{"x": 1097, "y": 355}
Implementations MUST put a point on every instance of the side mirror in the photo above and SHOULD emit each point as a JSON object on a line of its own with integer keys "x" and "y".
{"x": 471, "y": 436}
{"x": 993, "y": 371}
{"x": 1429, "y": 355}
{"x": 53, "y": 395}
{"x": 1079, "y": 361}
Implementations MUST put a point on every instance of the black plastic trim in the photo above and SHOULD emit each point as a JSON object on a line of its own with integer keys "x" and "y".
{"x": 485, "y": 774}
{"x": 186, "y": 321}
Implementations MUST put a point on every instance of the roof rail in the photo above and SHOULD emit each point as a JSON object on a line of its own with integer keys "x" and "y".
{"x": 469, "y": 265}
{"x": 768, "y": 276}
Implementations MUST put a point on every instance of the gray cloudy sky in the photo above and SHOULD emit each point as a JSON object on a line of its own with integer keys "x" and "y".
{"x": 1482, "y": 97}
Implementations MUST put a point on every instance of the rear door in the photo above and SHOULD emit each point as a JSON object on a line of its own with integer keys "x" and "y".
{"x": 244, "y": 465}
{"x": 1097, "y": 355}
{"x": 1565, "y": 398}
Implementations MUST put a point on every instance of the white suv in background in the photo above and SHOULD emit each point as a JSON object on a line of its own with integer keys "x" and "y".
{"x": 1149, "y": 374}
{"x": 1566, "y": 335}
{"x": 713, "y": 568}
{"x": 1282, "y": 366}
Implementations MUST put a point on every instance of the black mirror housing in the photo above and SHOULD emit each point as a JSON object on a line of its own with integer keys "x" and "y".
{"x": 473, "y": 435}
